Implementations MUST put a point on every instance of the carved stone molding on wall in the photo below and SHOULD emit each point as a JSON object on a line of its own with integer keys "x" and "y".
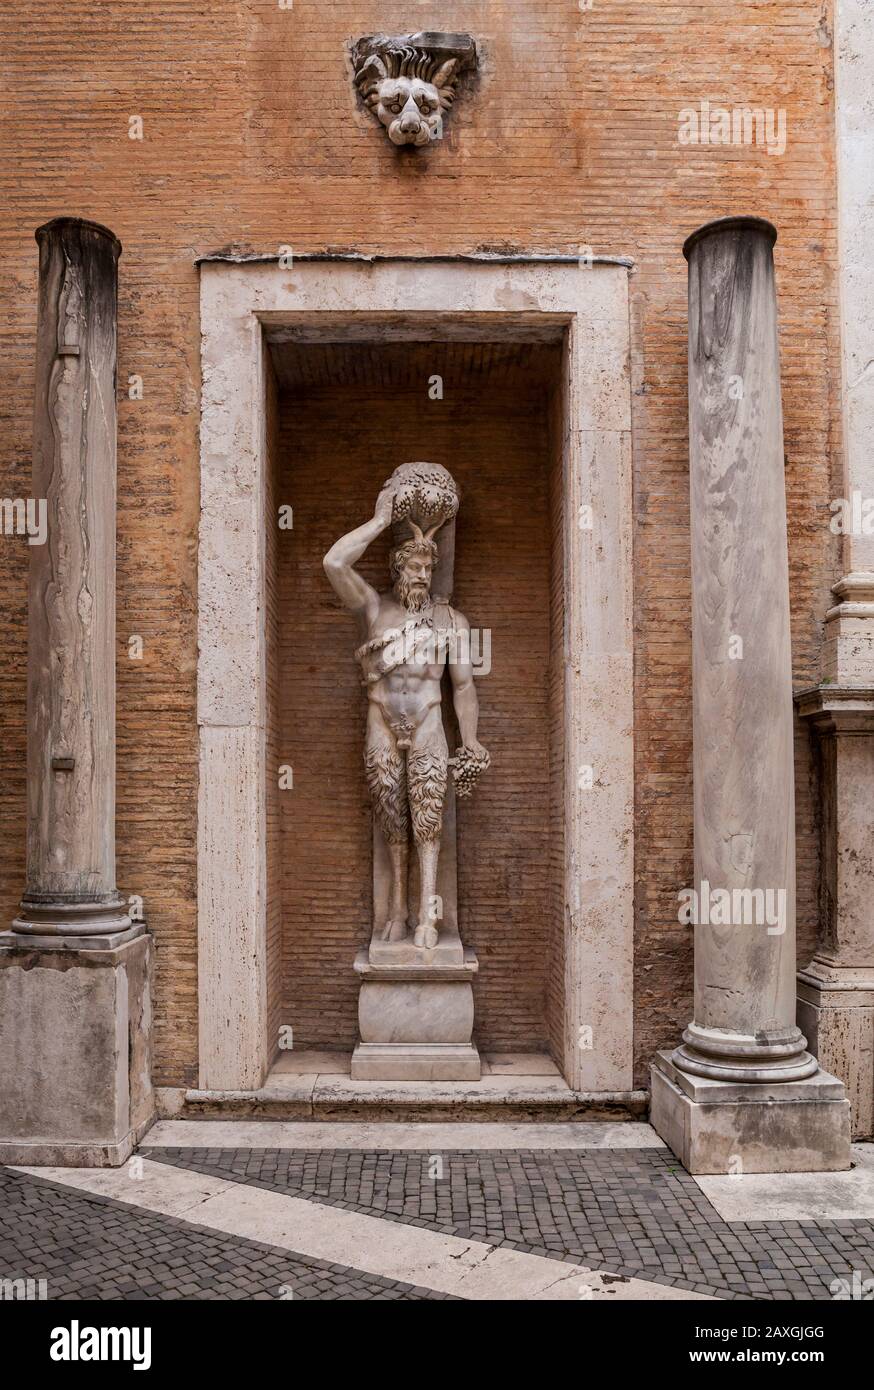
{"x": 410, "y": 80}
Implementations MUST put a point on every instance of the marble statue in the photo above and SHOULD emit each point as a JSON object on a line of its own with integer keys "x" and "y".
{"x": 408, "y": 640}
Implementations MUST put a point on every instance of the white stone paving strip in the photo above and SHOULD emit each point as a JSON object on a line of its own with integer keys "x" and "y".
{"x": 448, "y": 1264}
{"x": 274, "y": 1134}
{"x": 797, "y": 1196}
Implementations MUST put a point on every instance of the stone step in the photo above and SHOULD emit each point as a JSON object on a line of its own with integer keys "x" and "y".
{"x": 537, "y": 1099}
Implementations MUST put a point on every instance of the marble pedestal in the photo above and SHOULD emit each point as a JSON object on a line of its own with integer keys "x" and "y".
{"x": 415, "y": 1013}
{"x": 75, "y": 1020}
{"x": 739, "y": 1127}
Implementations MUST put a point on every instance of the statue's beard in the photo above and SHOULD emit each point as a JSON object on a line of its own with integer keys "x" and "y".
{"x": 412, "y": 594}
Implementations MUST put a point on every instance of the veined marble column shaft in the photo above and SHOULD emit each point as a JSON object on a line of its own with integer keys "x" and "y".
{"x": 70, "y": 887}
{"x": 744, "y": 1026}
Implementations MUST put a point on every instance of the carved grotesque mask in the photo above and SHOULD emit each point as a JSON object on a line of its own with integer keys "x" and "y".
{"x": 410, "y": 82}
{"x": 409, "y": 109}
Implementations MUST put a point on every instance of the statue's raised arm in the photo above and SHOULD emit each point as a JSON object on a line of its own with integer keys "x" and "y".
{"x": 351, "y": 588}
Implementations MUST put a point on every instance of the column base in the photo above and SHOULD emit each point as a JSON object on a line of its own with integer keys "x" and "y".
{"x": 75, "y": 1023}
{"x": 776, "y": 1054}
{"x": 55, "y": 918}
{"x": 415, "y": 1019}
{"x": 836, "y": 1011}
{"x": 736, "y": 1127}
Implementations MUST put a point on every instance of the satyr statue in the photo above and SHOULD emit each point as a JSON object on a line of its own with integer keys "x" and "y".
{"x": 408, "y": 640}
{"x": 410, "y": 81}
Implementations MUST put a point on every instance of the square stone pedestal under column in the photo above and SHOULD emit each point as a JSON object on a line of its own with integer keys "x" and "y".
{"x": 415, "y": 1019}
{"x": 735, "y": 1127}
{"x": 75, "y": 1022}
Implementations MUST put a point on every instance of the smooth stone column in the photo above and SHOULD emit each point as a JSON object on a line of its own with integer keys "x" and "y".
{"x": 743, "y": 1044}
{"x": 742, "y": 720}
{"x": 70, "y": 887}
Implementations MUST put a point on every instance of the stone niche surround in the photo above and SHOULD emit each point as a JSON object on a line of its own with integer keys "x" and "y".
{"x": 474, "y": 299}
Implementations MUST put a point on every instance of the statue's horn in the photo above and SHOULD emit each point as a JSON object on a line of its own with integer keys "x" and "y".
{"x": 430, "y": 534}
{"x": 417, "y": 533}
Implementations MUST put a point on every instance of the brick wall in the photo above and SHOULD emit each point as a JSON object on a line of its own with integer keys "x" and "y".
{"x": 252, "y": 139}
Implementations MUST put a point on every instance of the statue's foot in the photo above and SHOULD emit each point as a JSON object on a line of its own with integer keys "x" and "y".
{"x": 395, "y": 929}
{"x": 426, "y": 935}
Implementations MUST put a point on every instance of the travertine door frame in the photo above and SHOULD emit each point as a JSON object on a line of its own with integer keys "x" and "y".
{"x": 474, "y": 298}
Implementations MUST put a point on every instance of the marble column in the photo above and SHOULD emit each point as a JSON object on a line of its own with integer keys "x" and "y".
{"x": 836, "y": 988}
{"x": 74, "y": 971}
{"x": 70, "y": 887}
{"x": 743, "y": 1047}
{"x": 744, "y": 793}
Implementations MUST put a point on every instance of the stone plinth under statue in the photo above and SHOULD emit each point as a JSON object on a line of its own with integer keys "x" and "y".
{"x": 415, "y": 1006}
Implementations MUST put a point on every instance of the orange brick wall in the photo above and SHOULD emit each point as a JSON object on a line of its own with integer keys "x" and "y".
{"x": 253, "y": 140}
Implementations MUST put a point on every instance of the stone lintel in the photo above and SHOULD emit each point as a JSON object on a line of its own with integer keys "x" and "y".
{"x": 523, "y": 258}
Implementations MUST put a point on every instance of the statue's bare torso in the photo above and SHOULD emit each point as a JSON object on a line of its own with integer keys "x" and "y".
{"x": 406, "y": 696}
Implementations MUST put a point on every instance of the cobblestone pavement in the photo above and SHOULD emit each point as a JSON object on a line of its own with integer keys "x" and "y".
{"x": 630, "y": 1212}
{"x": 90, "y": 1247}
